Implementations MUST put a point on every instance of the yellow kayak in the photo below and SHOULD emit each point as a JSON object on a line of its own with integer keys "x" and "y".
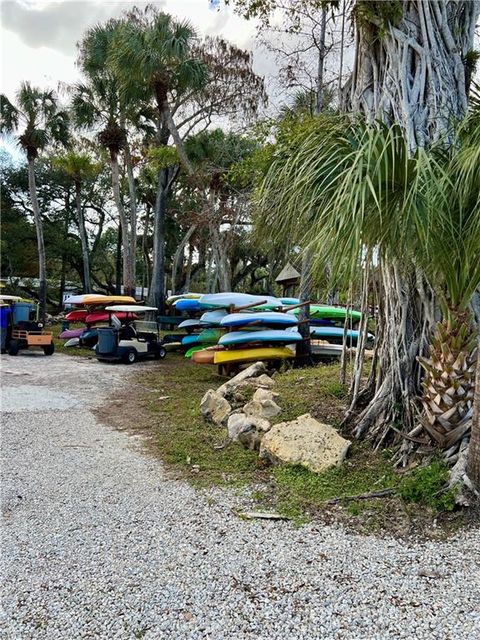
{"x": 249, "y": 355}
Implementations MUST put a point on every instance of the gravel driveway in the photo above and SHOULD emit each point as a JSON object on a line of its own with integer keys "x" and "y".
{"x": 98, "y": 543}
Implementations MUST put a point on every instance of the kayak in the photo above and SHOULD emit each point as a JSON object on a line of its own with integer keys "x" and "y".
{"x": 73, "y": 342}
{"x": 103, "y": 316}
{"x": 192, "y": 350}
{"x": 205, "y": 356}
{"x": 187, "y": 304}
{"x": 89, "y": 338}
{"x": 183, "y": 296}
{"x": 252, "y": 355}
{"x": 265, "y": 318}
{"x": 332, "y": 313}
{"x": 208, "y": 336}
{"x": 213, "y": 317}
{"x": 335, "y": 335}
{"x": 71, "y": 333}
{"x": 226, "y": 300}
{"x": 268, "y": 336}
{"x": 93, "y": 299}
{"x": 78, "y": 315}
{"x": 192, "y": 323}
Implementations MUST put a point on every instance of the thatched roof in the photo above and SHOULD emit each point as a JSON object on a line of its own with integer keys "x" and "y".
{"x": 287, "y": 274}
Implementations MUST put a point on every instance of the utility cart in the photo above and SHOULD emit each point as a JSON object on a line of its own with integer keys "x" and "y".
{"x": 30, "y": 334}
{"x": 132, "y": 341}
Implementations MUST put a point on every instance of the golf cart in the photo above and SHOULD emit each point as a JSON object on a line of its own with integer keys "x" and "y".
{"x": 132, "y": 341}
{"x": 20, "y": 331}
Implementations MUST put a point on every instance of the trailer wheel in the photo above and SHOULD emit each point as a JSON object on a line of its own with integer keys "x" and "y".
{"x": 49, "y": 349}
{"x": 130, "y": 356}
{"x": 13, "y": 347}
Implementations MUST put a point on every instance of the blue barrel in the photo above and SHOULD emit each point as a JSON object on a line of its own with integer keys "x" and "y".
{"x": 107, "y": 341}
{"x": 21, "y": 312}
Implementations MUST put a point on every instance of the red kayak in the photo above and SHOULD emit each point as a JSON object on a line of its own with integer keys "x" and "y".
{"x": 103, "y": 316}
{"x": 78, "y": 315}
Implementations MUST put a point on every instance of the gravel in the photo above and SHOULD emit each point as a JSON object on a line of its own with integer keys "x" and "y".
{"x": 97, "y": 542}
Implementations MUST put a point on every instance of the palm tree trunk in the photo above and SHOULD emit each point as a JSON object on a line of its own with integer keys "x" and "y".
{"x": 83, "y": 237}
{"x": 128, "y": 281}
{"x": 118, "y": 262}
{"x": 133, "y": 216}
{"x": 157, "y": 289}
{"x": 178, "y": 256}
{"x": 42, "y": 268}
{"x": 473, "y": 464}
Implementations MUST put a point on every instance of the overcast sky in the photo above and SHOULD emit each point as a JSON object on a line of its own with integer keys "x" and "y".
{"x": 38, "y": 37}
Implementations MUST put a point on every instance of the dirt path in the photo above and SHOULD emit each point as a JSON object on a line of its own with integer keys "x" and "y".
{"x": 97, "y": 542}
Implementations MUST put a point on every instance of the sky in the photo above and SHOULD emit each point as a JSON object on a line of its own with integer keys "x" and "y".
{"x": 38, "y": 37}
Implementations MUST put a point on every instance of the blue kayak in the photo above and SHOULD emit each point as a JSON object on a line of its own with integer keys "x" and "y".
{"x": 268, "y": 336}
{"x": 187, "y": 304}
{"x": 213, "y": 317}
{"x": 229, "y": 299}
{"x": 261, "y": 318}
{"x": 335, "y": 335}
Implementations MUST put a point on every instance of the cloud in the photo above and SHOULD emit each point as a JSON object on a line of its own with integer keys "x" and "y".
{"x": 58, "y": 25}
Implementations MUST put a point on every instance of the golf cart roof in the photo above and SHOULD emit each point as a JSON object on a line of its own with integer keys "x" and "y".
{"x": 130, "y": 308}
{"x": 11, "y": 298}
{"x": 98, "y": 298}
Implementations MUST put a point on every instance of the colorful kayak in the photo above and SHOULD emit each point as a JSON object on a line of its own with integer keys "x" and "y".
{"x": 73, "y": 342}
{"x": 192, "y": 323}
{"x": 226, "y": 300}
{"x": 187, "y": 304}
{"x": 332, "y": 313}
{"x": 78, "y": 315}
{"x": 183, "y": 296}
{"x": 192, "y": 350}
{"x": 252, "y": 355}
{"x": 206, "y": 356}
{"x": 92, "y": 299}
{"x": 335, "y": 335}
{"x": 71, "y": 333}
{"x": 268, "y": 336}
{"x": 213, "y": 317}
{"x": 103, "y": 316}
{"x": 265, "y": 318}
{"x": 208, "y": 336}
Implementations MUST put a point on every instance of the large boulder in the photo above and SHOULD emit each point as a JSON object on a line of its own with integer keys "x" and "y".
{"x": 304, "y": 441}
{"x": 214, "y": 407}
{"x": 248, "y": 430}
{"x": 263, "y": 404}
{"x": 253, "y": 371}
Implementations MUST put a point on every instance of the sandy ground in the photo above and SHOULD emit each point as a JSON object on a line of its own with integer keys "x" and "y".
{"x": 98, "y": 542}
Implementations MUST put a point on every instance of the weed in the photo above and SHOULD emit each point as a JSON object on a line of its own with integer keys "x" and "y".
{"x": 426, "y": 485}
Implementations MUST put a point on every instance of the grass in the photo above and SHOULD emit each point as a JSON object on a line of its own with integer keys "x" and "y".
{"x": 167, "y": 411}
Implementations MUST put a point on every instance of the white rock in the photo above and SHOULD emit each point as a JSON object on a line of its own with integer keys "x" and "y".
{"x": 240, "y": 422}
{"x": 304, "y": 441}
{"x": 214, "y": 407}
{"x": 266, "y": 408}
{"x": 253, "y": 371}
{"x": 264, "y": 394}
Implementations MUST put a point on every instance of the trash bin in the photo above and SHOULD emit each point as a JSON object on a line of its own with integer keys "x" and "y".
{"x": 21, "y": 312}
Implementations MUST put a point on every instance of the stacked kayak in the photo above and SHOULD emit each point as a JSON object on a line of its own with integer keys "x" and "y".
{"x": 89, "y": 310}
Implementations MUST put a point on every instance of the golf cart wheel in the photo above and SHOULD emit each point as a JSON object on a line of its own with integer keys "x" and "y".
{"x": 130, "y": 356}
{"x": 13, "y": 348}
{"x": 49, "y": 349}
{"x": 160, "y": 353}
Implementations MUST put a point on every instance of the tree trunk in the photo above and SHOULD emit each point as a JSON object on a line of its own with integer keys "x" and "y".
{"x": 133, "y": 219}
{"x": 473, "y": 464}
{"x": 178, "y": 256}
{"x": 42, "y": 268}
{"x": 128, "y": 281}
{"x": 413, "y": 73}
{"x": 410, "y": 73}
{"x": 118, "y": 262}
{"x": 304, "y": 348}
{"x": 321, "y": 62}
{"x": 156, "y": 296}
{"x": 83, "y": 237}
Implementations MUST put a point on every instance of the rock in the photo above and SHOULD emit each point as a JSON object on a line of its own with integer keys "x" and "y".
{"x": 214, "y": 407}
{"x": 304, "y": 441}
{"x": 239, "y": 422}
{"x": 252, "y": 371}
{"x": 263, "y": 404}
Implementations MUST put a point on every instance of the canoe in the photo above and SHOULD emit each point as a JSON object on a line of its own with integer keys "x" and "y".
{"x": 229, "y": 299}
{"x": 268, "y": 336}
{"x": 252, "y": 355}
{"x": 208, "y": 336}
{"x": 71, "y": 333}
{"x": 333, "y": 313}
{"x": 78, "y": 315}
{"x": 262, "y": 318}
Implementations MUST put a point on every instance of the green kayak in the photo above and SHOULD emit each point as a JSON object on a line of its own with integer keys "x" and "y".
{"x": 325, "y": 312}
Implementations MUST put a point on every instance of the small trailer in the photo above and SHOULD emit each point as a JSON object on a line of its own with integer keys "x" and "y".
{"x": 32, "y": 335}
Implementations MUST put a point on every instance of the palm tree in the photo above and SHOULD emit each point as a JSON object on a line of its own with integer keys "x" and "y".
{"x": 80, "y": 168}
{"x": 97, "y": 104}
{"x": 151, "y": 55}
{"x": 37, "y": 122}
{"x": 417, "y": 214}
